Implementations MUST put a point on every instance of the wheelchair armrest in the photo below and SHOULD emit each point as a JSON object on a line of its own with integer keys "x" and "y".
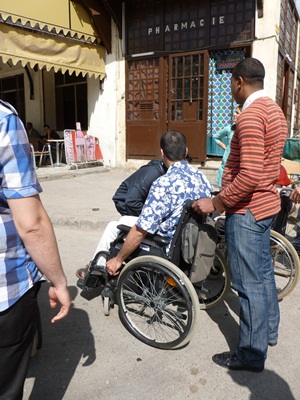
{"x": 156, "y": 238}
{"x": 124, "y": 228}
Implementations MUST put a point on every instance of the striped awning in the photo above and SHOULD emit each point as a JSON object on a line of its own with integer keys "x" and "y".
{"x": 47, "y": 50}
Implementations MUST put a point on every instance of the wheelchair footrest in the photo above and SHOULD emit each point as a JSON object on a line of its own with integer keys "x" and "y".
{"x": 89, "y": 293}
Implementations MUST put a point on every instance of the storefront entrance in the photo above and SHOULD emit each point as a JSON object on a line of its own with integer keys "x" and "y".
{"x": 167, "y": 93}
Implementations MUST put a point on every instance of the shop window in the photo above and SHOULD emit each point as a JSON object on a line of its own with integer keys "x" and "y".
{"x": 285, "y": 88}
{"x": 71, "y": 101}
{"x": 187, "y": 83}
{"x": 288, "y": 29}
{"x": 12, "y": 91}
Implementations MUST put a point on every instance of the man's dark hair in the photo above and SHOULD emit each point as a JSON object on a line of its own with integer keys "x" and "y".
{"x": 46, "y": 126}
{"x": 173, "y": 144}
{"x": 251, "y": 70}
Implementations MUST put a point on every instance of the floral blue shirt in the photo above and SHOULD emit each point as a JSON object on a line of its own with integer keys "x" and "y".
{"x": 18, "y": 179}
{"x": 167, "y": 196}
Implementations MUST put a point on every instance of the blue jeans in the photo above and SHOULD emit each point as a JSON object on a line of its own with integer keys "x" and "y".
{"x": 252, "y": 274}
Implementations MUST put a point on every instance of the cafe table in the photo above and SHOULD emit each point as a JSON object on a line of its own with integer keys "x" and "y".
{"x": 57, "y": 142}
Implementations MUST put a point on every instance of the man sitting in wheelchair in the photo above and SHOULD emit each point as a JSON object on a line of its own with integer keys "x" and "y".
{"x": 163, "y": 206}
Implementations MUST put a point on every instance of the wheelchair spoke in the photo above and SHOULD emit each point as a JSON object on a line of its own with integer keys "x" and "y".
{"x": 156, "y": 305}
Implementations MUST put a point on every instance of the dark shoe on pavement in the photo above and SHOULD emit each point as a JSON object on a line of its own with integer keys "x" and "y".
{"x": 230, "y": 361}
{"x": 272, "y": 344}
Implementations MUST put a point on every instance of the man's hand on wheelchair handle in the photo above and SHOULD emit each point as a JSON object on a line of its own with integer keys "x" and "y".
{"x": 295, "y": 195}
{"x": 203, "y": 206}
{"x": 113, "y": 265}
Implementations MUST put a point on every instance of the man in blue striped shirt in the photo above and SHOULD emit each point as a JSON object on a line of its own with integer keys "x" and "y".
{"x": 28, "y": 249}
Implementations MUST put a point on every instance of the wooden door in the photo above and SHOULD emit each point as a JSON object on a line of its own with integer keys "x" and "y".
{"x": 145, "y": 107}
{"x": 188, "y": 98}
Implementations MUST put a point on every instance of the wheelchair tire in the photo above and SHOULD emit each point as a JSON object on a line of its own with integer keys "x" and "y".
{"x": 286, "y": 264}
{"x": 214, "y": 288}
{"x": 157, "y": 302}
{"x": 292, "y": 227}
{"x": 106, "y": 305}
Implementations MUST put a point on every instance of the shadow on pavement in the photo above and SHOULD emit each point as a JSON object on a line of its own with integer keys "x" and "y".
{"x": 65, "y": 343}
{"x": 266, "y": 385}
{"x": 220, "y": 314}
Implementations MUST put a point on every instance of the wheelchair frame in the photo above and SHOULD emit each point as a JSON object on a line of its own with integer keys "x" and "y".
{"x": 157, "y": 302}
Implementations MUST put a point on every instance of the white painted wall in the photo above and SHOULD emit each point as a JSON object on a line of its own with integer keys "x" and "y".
{"x": 265, "y": 47}
{"x": 48, "y": 86}
{"x": 106, "y": 107}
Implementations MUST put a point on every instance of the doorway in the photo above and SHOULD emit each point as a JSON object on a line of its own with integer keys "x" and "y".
{"x": 188, "y": 97}
{"x": 166, "y": 93}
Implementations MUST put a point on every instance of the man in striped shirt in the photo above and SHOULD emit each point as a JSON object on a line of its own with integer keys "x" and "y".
{"x": 250, "y": 199}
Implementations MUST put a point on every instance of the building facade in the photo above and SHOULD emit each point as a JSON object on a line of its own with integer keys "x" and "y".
{"x": 141, "y": 67}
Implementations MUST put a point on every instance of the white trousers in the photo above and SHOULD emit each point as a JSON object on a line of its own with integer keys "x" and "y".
{"x": 111, "y": 232}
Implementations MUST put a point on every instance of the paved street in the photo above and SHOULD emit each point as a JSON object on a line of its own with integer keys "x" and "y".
{"x": 90, "y": 356}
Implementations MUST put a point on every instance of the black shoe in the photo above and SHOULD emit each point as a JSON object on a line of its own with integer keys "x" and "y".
{"x": 89, "y": 293}
{"x": 230, "y": 361}
{"x": 272, "y": 344}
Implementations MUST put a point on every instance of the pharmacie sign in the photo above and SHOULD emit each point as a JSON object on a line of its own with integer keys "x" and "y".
{"x": 185, "y": 25}
{"x": 179, "y": 25}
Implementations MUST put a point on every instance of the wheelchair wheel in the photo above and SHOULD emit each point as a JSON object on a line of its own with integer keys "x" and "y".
{"x": 286, "y": 264}
{"x": 292, "y": 226}
{"x": 214, "y": 288}
{"x": 157, "y": 302}
{"x": 106, "y": 306}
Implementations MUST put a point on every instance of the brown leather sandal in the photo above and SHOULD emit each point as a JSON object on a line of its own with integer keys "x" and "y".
{"x": 81, "y": 272}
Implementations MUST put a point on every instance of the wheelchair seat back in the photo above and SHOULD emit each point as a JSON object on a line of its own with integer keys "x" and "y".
{"x": 194, "y": 244}
{"x": 192, "y": 248}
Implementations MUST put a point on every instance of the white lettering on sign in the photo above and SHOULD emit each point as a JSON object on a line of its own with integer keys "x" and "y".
{"x": 185, "y": 25}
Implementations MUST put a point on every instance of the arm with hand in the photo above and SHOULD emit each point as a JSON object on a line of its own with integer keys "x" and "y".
{"x": 36, "y": 231}
{"x": 133, "y": 239}
{"x": 222, "y": 145}
{"x": 221, "y": 135}
{"x": 295, "y": 195}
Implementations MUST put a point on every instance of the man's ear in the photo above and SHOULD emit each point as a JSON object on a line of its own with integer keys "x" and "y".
{"x": 240, "y": 82}
{"x": 162, "y": 153}
{"x": 186, "y": 151}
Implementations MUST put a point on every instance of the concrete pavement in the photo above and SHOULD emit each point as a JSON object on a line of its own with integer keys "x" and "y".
{"x": 90, "y": 356}
{"x": 81, "y": 203}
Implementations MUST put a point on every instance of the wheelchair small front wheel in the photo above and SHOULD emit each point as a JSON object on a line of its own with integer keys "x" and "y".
{"x": 106, "y": 306}
{"x": 157, "y": 302}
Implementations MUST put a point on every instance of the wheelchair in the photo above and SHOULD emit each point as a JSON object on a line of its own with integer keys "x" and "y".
{"x": 284, "y": 257}
{"x": 156, "y": 299}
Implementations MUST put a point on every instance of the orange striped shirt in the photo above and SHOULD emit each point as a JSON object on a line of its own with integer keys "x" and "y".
{"x": 253, "y": 164}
